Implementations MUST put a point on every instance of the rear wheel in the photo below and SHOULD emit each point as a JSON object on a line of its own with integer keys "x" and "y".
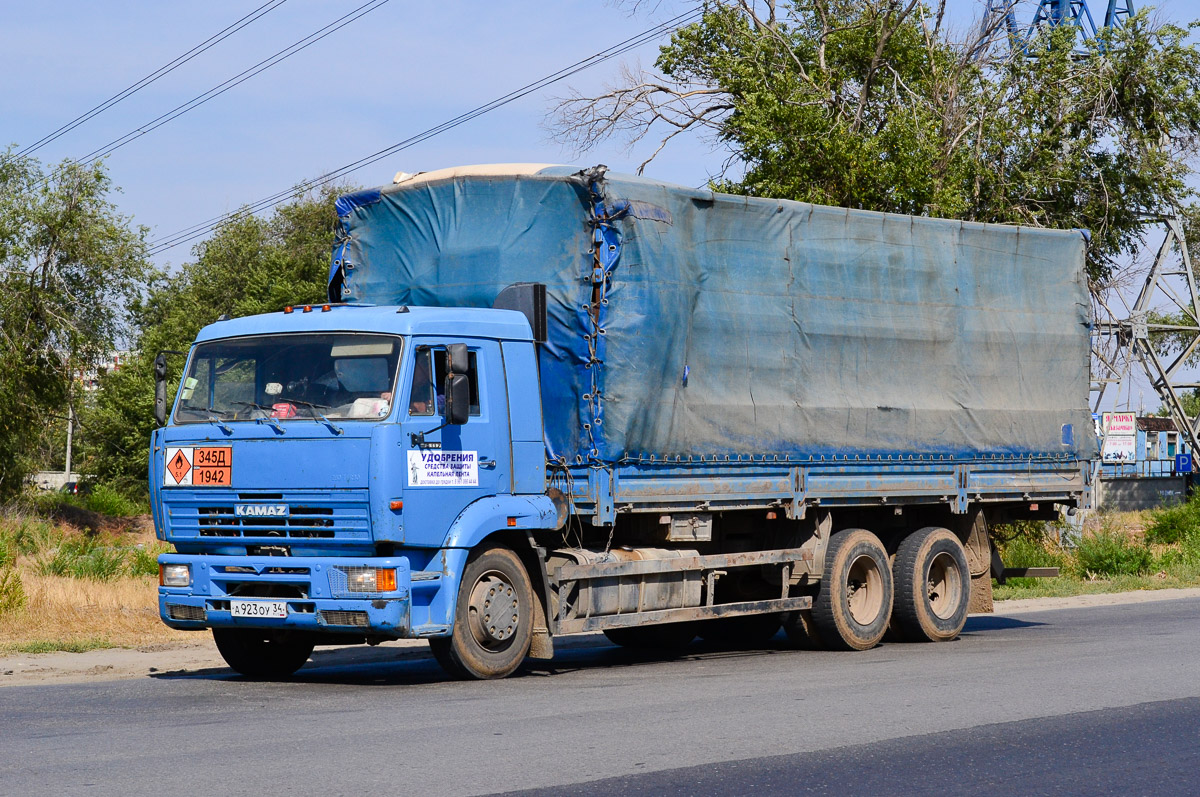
{"x": 262, "y": 653}
{"x": 854, "y": 603}
{"x": 664, "y": 636}
{"x": 933, "y": 586}
{"x": 493, "y": 625}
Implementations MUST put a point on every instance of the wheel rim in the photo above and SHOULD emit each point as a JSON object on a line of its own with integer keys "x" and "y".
{"x": 864, "y": 590}
{"x": 494, "y": 610}
{"x": 943, "y": 586}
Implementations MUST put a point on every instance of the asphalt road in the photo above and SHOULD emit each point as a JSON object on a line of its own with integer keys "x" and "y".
{"x": 1082, "y": 701}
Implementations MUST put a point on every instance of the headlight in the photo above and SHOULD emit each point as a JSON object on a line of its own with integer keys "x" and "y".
{"x": 370, "y": 579}
{"x": 175, "y": 575}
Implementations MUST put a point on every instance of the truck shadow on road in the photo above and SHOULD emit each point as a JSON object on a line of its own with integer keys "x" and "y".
{"x": 415, "y": 666}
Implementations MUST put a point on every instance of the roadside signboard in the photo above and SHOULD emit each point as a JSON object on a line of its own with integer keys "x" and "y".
{"x": 1120, "y": 437}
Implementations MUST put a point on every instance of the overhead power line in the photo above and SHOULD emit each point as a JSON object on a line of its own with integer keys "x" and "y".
{"x": 203, "y": 228}
{"x": 162, "y": 71}
{"x": 221, "y": 88}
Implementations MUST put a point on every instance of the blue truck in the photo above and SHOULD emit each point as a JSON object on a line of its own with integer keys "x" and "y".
{"x": 544, "y": 400}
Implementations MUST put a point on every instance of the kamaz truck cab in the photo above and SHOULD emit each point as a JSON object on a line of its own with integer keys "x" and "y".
{"x": 327, "y": 469}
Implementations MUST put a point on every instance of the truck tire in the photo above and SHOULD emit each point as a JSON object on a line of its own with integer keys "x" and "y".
{"x": 664, "y": 636}
{"x": 933, "y": 586}
{"x": 854, "y": 603}
{"x": 493, "y": 623}
{"x": 801, "y": 631}
{"x": 262, "y": 653}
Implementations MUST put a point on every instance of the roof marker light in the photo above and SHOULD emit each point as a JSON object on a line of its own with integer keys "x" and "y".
{"x": 308, "y": 308}
{"x": 288, "y": 309}
{"x": 325, "y": 308}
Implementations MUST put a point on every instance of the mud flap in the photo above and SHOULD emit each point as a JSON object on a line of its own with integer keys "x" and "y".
{"x": 973, "y": 532}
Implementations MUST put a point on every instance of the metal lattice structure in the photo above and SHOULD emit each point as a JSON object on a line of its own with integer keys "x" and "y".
{"x": 1001, "y": 15}
{"x": 1160, "y": 330}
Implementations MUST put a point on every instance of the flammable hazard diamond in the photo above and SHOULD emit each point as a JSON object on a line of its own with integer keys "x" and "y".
{"x": 179, "y": 466}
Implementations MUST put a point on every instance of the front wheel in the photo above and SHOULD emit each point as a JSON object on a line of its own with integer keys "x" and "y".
{"x": 493, "y": 624}
{"x": 854, "y": 604}
{"x": 933, "y": 586}
{"x": 263, "y": 654}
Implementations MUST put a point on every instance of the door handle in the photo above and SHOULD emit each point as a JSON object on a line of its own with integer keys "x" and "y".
{"x": 487, "y": 463}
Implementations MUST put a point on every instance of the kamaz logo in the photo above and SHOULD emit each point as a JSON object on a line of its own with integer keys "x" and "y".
{"x": 261, "y": 510}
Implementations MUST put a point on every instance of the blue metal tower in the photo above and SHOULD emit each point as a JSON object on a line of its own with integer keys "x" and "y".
{"x": 1052, "y": 14}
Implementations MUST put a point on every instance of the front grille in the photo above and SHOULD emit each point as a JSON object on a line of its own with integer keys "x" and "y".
{"x": 339, "y": 617}
{"x": 304, "y": 521}
{"x": 312, "y": 515}
{"x": 177, "y": 611}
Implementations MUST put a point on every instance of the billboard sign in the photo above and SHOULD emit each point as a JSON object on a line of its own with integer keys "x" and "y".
{"x": 1120, "y": 437}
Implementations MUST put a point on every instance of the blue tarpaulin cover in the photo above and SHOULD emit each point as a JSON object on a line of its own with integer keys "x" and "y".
{"x": 735, "y": 326}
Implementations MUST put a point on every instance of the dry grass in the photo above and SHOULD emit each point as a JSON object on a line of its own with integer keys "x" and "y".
{"x": 65, "y": 613}
{"x": 122, "y": 612}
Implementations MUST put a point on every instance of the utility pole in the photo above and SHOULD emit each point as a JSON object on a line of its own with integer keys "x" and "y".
{"x": 70, "y": 435}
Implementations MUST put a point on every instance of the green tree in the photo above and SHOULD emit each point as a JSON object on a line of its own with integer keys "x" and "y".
{"x": 873, "y": 104}
{"x": 250, "y": 265}
{"x": 69, "y": 267}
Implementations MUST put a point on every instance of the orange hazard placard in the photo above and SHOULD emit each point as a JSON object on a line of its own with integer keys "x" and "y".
{"x": 212, "y": 467}
{"x": 199, "y": 467}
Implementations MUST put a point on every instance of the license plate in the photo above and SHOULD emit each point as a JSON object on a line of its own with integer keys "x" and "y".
{"x": 274, "y": 609}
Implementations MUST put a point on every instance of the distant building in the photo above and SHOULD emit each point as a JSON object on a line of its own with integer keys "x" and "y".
{"x": 89, "y": 378}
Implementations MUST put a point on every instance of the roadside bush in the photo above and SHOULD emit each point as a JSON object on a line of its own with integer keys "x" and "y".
{"x": 33, "y": 536}
{"x": 144, "y": 561}
{"x": 12, "y": 591}
{"x": 1176, "y": 524}
{"x": 1111, "y": 553}
{"x": 108, "y": 501}
{"x": 1027, "y": 552}
{"x": 85, "y": 558}
{"x": 8, "y": 549}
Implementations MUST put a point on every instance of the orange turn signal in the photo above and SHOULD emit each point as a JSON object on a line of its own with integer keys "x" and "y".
{"x": 512, "y": 521}
{"x": 385, "y": 580}
{"x": 396, "y": 505}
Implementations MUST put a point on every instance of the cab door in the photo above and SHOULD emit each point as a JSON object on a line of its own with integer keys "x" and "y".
{"x": 448, "y": 468}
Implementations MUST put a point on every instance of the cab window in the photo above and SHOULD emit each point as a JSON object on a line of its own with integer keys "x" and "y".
{"x": 429, "y": 378}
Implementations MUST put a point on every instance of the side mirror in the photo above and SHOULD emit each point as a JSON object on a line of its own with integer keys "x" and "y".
{"x": 456, "y": 358}
{"x": 458, "y": 388}
{"x": 160, "y": 389}
{"x": 458, "y": 399}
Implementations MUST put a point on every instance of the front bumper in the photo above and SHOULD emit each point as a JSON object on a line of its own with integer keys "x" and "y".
{"x": 317, "y": 593}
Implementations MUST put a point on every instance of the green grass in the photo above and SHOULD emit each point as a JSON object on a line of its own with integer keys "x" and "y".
{"x": 108, "y": 501}
{"x": 88, "y": 558}
{"x": 12, "y": 591}
{"x": 58, "y": 646}
{"x": 1113, "y": 555}
{"x": 1064, "y": 587}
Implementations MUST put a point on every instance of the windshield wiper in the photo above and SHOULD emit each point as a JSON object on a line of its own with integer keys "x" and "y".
{"x": 316, "y": 408}
{"x": 268, "y": 418}
{"x": 212, "y": 416}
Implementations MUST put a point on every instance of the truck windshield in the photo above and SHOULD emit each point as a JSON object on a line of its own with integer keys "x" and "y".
{"x": 287, "y": 377}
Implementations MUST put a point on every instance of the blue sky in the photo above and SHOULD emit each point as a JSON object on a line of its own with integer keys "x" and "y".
{"x": 399, "y": 70}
